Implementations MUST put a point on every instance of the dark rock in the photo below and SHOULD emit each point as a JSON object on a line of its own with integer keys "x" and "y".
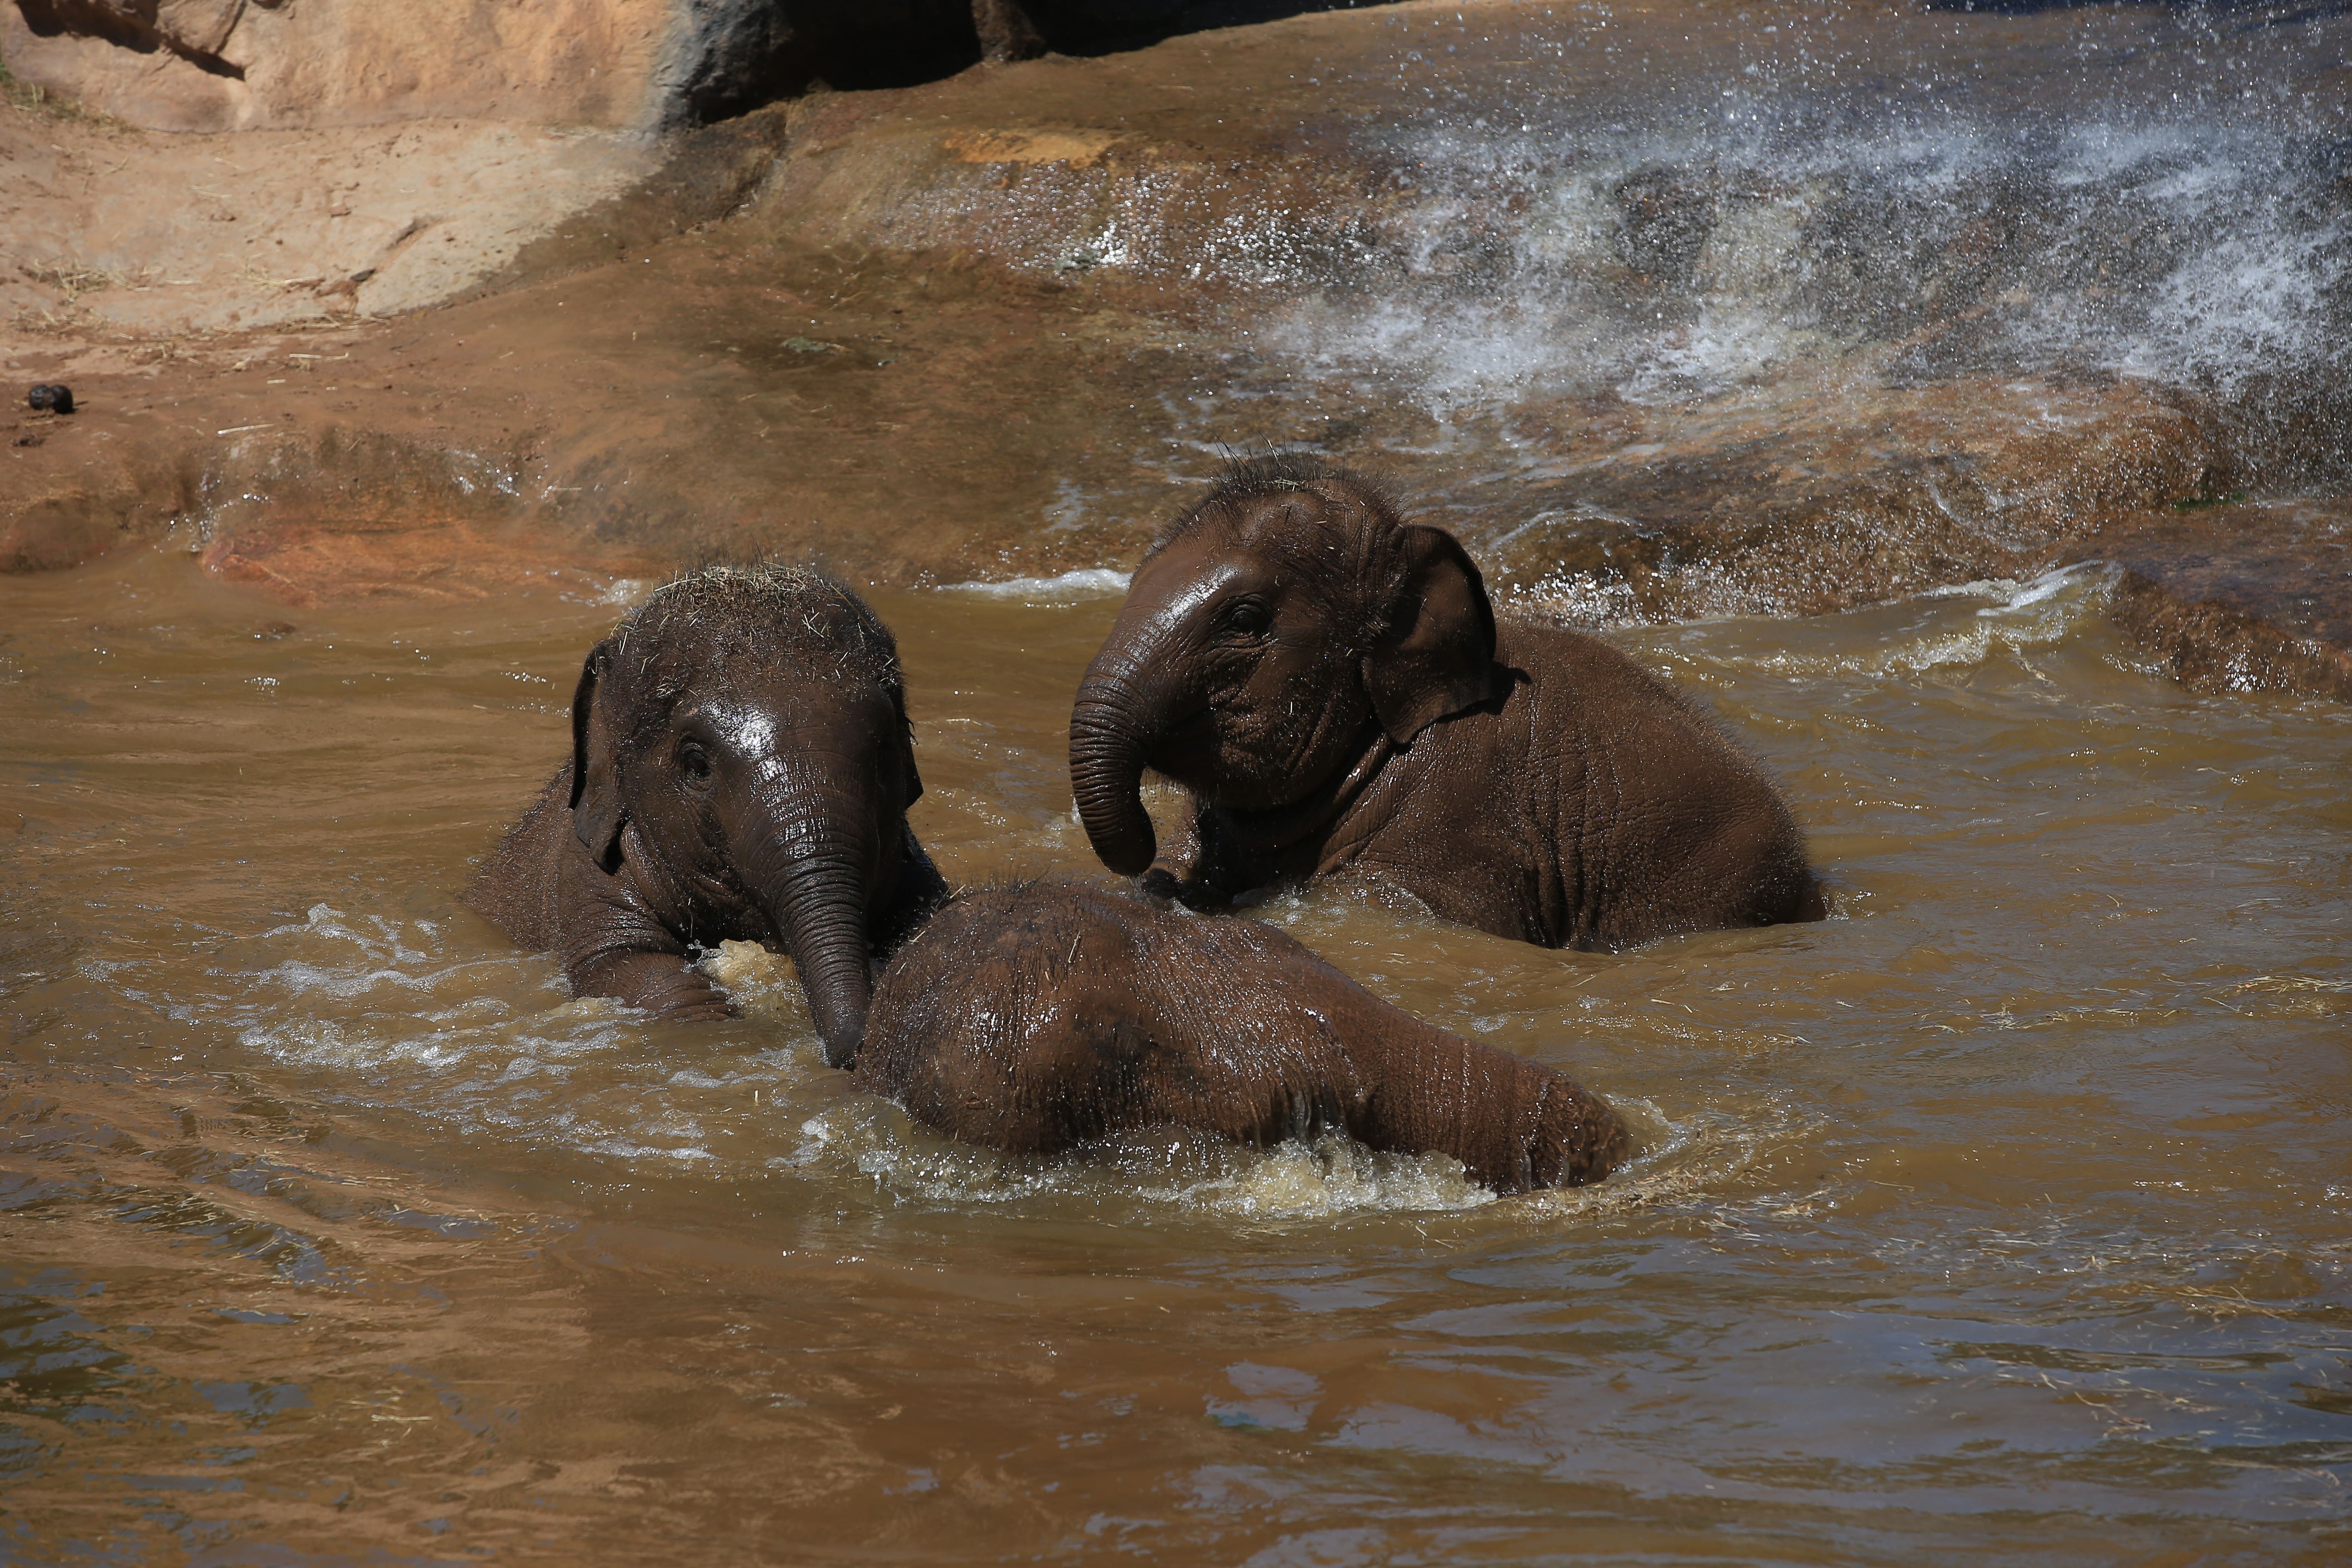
{"x": 1006, "y": 31}
{"x": 735, "y": 55}
{"x": 1665, "y": 216}
{"x": 56, "y": 397}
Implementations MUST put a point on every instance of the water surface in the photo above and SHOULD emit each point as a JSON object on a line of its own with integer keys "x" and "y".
{"x": 1998, "y": 1217}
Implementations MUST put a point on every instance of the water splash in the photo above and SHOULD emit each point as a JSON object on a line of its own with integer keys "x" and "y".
{"x": 2041, "y": 612}
{"x": 1685, "y": 264}
{"x": 1087, "y": 583}
{"x": 1168, "y": 1173}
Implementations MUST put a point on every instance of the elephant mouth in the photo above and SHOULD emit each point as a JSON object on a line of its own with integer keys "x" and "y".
{"x": 1181, "y": 745}
{"x": 1203, "y": 754}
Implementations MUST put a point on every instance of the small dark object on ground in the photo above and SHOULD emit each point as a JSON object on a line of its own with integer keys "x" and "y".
{"x": 56, "y": 397}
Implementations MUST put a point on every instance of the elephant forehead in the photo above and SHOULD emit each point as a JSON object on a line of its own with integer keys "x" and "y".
{"x": 1193, "y": 584}
{"x": 1305, "y": 525}
{"x": 1322, "y": 563}
{"x": 748, "y": 730}
{"x": 758, "y": 724}
{"x": 766, "y": 613}
{"x": 1185, "y": 580}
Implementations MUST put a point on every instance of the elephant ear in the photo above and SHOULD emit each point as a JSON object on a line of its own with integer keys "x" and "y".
{"x": 1437, "y": 655}
{"x": 907, "y": 735}
{"x": 597, "y": 813}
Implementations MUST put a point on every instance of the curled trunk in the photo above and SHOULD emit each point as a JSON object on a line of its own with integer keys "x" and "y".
{"x": 1107, "y": 777}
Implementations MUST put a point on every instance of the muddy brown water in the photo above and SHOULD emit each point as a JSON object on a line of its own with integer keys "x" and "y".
{"x": 1999, "y": 1217}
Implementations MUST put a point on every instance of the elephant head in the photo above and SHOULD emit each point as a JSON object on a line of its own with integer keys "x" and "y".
{"x": 1273, "y": 634}
{"x": 742, "y": 742}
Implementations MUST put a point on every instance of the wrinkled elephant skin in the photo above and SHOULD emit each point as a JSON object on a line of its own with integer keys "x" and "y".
{"x": 1041, "y": 1017}
{"x": 1331, "y": 685}
{"x": 740, "y": 771}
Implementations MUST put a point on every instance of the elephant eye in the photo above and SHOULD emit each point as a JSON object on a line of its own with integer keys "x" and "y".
{"x": 1248, "y": 618}
{"x": 694, "y": 762}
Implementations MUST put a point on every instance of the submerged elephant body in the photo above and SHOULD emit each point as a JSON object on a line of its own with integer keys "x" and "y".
{"x": 1037, "y": 1018}
{"x": 1586, "y": 807}
{"x": 1331, "y": 687}
{"x": 740, "y": 771}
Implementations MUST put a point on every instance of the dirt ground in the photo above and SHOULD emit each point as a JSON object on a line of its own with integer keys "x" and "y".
{"x": 116, "y": 234}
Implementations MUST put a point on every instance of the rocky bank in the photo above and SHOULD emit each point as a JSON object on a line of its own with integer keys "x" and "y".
{"x": 1683, "y": 310}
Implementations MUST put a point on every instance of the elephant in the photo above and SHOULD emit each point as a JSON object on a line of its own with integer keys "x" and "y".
{"x": 741, "y": 766}
{"x": 1331, "y": 687}
{"x": 1036, "y": 1017}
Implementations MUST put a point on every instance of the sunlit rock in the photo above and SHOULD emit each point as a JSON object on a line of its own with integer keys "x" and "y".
{"x": 220, "y": 65}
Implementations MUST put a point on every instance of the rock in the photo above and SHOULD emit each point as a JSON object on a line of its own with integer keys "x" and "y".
{"x": 1006, "y": 31}
{"x": 999, "y": 325}
{"x": 2244, "y": 597}
{"x": 303, "y": 563}
{"x": 61, "y": 505}
{"x": 708, "y": 173}
{"x": 114, "y": 232}
{"x": 222, "y": 65}
{"x": 1804, "y": 500}
{"x": 595, "y": 62}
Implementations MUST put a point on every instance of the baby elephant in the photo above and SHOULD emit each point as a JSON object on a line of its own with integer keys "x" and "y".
{"x": 1330, "y": 685}
{"x": 740, "y": 769}
{"x": 1033, "y": 1018}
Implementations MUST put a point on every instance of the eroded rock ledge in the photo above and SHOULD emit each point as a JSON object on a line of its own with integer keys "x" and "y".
{"x": 992, "y": 326}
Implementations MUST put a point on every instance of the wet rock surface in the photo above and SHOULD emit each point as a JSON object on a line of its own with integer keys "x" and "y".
{"x": 1916, "y": 299}
{"x": 608, "y": 413}
{"x": 2244, "y": 598}
{"x": 1806, "y": 505}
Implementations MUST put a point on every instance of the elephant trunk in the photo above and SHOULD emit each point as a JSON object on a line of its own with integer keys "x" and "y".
{"x": 1122, "y": 709}
{"x": 808, "y": 864}
{"x": 1107, "y": 752}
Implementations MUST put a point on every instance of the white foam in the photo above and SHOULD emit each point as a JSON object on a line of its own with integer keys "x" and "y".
{"x": 1336, "y": 1175}
{"x": 620, "y": 592}
{"x": 1517, "y": 270}
{"x": 1328, "y": 1176}
{"x": 2040, "y": 613}
{"x": 1087, "y": 583}
{"x": 2242, "y": 306}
